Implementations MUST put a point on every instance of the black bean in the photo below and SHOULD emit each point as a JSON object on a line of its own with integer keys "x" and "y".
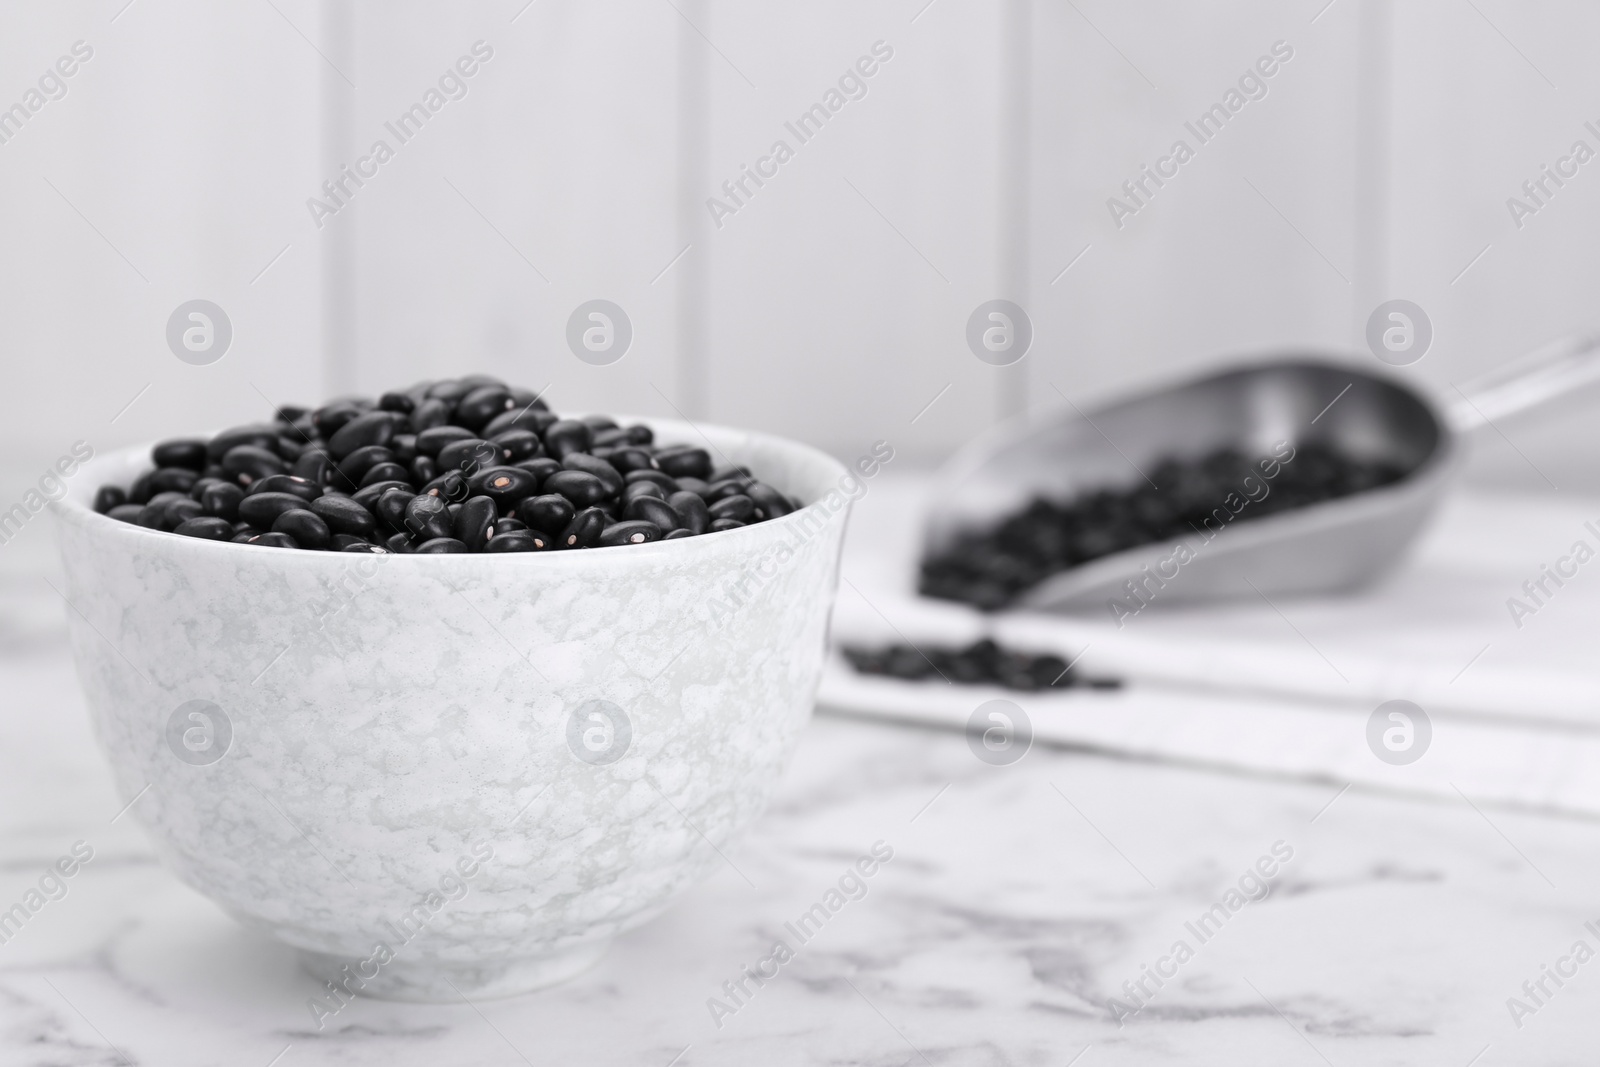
{"x": 551, "y": 511}
{"x": 367, "y": 496}
{"x": 331, "y": 418}
{"x": 358, "y": 463}
{"x": 364, "y": 546}
{"x": 738, "y": 506}
{"x": 212, "y": 529}
{"x": 140, "y": 492}
{"x": 389, "y": 509}
{"x": 203, "y": 483}
{"x": 263, "y": 509}
{"x": 638, "y": 489}
{"x": 368, "y": 428}
{"x": 609, "y": 438}
{"x": 665, "y": 481}
{"x": 726, "y": 487}
{"x": 289, "y": 448}
{"x": 126, "y": 512}
{"x": 567, "y": 435}
{"x": 431, "y": 440}
{"x": 584, "y": 530}
{"x": 632, "y": 459}
{"x": 694, "y": 485}
{"x": 508, "y": 524}
{"x": 108, "y": 497}
{"x": 401, "y": 544}
{"x": 599, "y": 422}
{"x": 285, "y": 483}
{"x": 150, "y": 515}
{"x": 537, "y": 419}
{"x": 481, "y": 405}
{"x": 260, "y": 436}
{"x": 770, "y": 504}
{"x": 640, "y": 434}
{"x": 385, "y": 472}
{"x": 722, "y": 474}
{"x": 439, "y": 546}
{"x": 187, "y": 452}
{"x": 542, "y": 467}
{"x": 609, "y": 476}
{"x": 505, "y": 485}
{"x": 451, "y": 486}
{"x": 635, "y": 532}
{"x": 424, "y": 469}
{"x": 396, "y": 402}
{"x": 318, "y": 468}
{"x": 274, "y": 540}
{"x": 344, "y": 516}
{"x": 468, "y": 456}
{"x": 658, "y": 512}
{"x": 222, "y": 499}
{"x": 692, "y": 511}
{"x": 517, "y": 541}
{"x": 430, "y": 414}
{"x": 338, "y": 542}
{"x": 246, "y": 463}
{"x": 684, "y": 461}
{"x": 517, "y": 445}
{"x": 583, "y": 489}
{"x": 718, "y": 525}
{"x": 305, "y": 526}
{"x": 180, "y": 511}
{"x": 475, "y": 523}
{"x": 427, "y": 517}
{"x": 451, "y": 389}
{"x": 290, "y": 413}
{"x": 674, "y": 535}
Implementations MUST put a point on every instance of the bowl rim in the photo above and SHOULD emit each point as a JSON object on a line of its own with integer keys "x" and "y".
{"x": 75, "y": 506}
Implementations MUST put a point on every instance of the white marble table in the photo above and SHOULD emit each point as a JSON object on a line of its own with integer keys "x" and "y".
{"x": 1018, "y": 902}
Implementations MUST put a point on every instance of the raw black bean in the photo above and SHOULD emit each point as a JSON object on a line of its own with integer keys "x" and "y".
{"x": 440, "y": 546}
{"x": 505, "y": 485}
{"x": 390, "y": 509}
{"x": 692, "y": 511}
{"x": 635, "y": 532}
{"x": 431, "y": 440}
{"x": 331, "y": 418}
{"x": 126, "y": 512}
{"x": 718, "y": 525}
{"x": 674, "y": 535}
{"x": 770, "y": 504}
{"x": 474, "y": 524}
{"x": 726, "y": 487}
{"x": 285, "y": 483}
{"x": 222, "y": 499}
{"x": 424, "y": 469}
{"x": 358, "y": 463}
{"x": 260, "y": 436}
{"x": 427, "y": 517}
{"x": 638, "y": 489}
{"x": 187, "y": 452}
{"x": 263, "y": 509}
{"x": 684, "y": 461}
{"x": 469, "y": 456}
{"x": 481, "y": 405}
{"x": 289, "y": 448}
{"x": 632, "y": 459}
{"x": 523, "y": 418}
{"x": 344, "y": 516}
{"x": 367, "y": 496}
{"x": 609, "y": 476}
{"x": 365, "y": 546}
{"x": 201, "y": 484}
{"x": 584, "y": 530}
{"x": 583, "y": 489}
{"x": 368, "y": 428}
{"x": 212, "y": 529}
{"x": 722, "y": 474}
{"x": 738, "y": 506}
{"x": 451, "y": 486}
{"x": 274, "y": 540}
{"x": 428, "y": 415}
{"x": 108, "y": 497}
{"x": 140, "y": 492}
{"x": 694, "y": 485}
{"x": 400, "y": 402}
{"x": 665, "y": 481}
{"x": 567, "y": 435}
{"x": 517, "y": 445}
{"x": 290, "y": 413}
{"x": 609, "y": 438}
{"x": 246, "y": 463}
{"x": 385, "y": 472}
{"x": 180, "y": 511}
{"x": 340, "y": 541}
{"x": 507, "y": 524}
{"x": 451, "y": 390}
{"x": 640, "y": 434}
{"x": 551, "y": 511}
{"x": 318, "y": 468}
{"x": 517, "y": 541}
{"x": 305, "y": 526}
{"x": 542, "y": 467}
{"x": 652, "y": 510}
{"x": 401, "y": 544}
{"x": 599, "y": 422}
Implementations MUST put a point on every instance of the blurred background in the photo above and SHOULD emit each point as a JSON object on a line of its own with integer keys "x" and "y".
{"x": 181, "y": 159}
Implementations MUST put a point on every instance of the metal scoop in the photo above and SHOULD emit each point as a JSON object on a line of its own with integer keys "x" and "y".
{"x": 1334, "y": 545}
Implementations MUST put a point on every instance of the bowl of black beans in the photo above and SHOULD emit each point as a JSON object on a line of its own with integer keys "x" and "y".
{"x": 345, "y": 656}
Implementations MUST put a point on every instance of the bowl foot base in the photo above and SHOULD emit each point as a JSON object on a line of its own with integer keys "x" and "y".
{"x": 430, "y": 981}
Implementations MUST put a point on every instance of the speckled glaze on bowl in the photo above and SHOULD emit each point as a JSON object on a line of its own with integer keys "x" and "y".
{"x": 396, "y": 719}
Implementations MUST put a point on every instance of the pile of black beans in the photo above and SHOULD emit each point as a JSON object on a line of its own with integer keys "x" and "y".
{"x": 981, "y": 663}
{"x": 989, "y": 569}
{"x": 465, "y": 465}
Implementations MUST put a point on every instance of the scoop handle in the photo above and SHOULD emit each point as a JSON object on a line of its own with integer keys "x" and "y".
{"x": 1550, "y": 372}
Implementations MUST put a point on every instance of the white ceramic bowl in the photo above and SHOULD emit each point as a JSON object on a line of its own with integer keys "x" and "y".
{"x": 425, "y": 754}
